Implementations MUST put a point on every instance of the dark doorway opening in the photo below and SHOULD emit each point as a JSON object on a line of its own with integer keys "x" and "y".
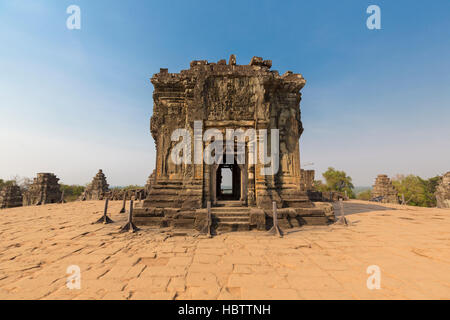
{"x": 228, "y": 181}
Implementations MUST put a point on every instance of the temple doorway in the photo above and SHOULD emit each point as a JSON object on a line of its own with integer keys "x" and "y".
{"x": 228, "y": 182}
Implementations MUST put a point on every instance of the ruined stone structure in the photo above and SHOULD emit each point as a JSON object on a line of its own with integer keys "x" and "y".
{"x": 443, "y": 192}
{"x": 227, "y": 96}
{"x": 97, "y": 189}
{"x": 307, "y": 184}
{"x": 384, "y": 189}
{"x": 130, "y": 194}
{"x": 10, "y": 196}
{"x": 150, "y": 181}
{"x": 44, "y": 189}
{"x": 307, "y": 179}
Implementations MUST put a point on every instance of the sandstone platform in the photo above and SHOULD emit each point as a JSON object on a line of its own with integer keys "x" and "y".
{"x": 410, "y": 245}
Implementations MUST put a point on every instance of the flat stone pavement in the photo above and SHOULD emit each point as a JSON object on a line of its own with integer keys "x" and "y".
{"x": 411, "y": 246}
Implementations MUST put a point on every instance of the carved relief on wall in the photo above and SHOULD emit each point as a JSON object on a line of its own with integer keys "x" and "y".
{"x": 230, "y": 98}
{"x": 168, "y": 168}
{"x": 288, "y": 126}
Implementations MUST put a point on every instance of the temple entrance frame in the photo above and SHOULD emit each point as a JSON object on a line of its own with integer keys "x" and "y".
{"x": 242, "y": 180}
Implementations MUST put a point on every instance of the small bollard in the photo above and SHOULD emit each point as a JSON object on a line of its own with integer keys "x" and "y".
{"x": 276, "y": 228}
{"x": 129, "y": 226}
{"x": 124, "y": 203}
{"x": 207, "y": 227}
{"x": 341, "y": 219}
{"x": 105, "y": 219}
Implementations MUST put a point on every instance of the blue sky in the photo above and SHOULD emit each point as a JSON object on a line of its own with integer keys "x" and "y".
{"x": 74, "y": 101}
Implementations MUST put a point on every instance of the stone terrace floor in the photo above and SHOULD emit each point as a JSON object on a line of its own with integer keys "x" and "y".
{"x": 37, "y": 244}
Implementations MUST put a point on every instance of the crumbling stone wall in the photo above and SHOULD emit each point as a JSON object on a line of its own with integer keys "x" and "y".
{"x": 443, "y": 192}
{"x": 10, "y": 196}
{"x": 150, "y": 181}
{"x": 97, "y": 189}
{"x": 384, "y": 189}
{"x": 130, "y": 194}
{"x": 44, "y": 189}
{"x": 307, "y": 179}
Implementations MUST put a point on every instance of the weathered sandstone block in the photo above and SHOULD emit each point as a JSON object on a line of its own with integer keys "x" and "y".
{"x": 443, "y": 192}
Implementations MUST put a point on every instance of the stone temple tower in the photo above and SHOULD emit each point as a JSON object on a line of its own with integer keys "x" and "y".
{"x": 10, "y": 196}
{"x": 44, "y": 189}
{"x": 98, "y": 189}
{"x": 218, "y": 97}
{"x": 384, "y": 189}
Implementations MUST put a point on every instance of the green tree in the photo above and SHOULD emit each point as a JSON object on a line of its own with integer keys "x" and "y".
{"x": 417, "y": 191}
{"x": 320, "y": 186}
{"x": 338, "y": 181}
{"x": 364, "y": 195}
{"x": 71, "y": 192}
{"x": 6, "y": 183}
{"x": 132, "y": 187}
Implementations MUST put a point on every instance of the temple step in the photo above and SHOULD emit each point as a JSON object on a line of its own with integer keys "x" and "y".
{"x": 229, "y": 210}
{"x": 166, "y": 187}
{"x": 149, "y": 221}
{"x": 298, "y": 203}
{"x": 234, "y": 203}
{"x": 231, "y": 216}
{"x": 232, "y": 219}
{"x": 233, "y": 226}
{"x": 183, "y": 223}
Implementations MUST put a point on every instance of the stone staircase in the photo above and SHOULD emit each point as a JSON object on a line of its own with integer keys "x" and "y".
{"x": 230, "y": 216}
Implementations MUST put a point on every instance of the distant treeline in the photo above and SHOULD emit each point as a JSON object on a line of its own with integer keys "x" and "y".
{"x": 71, "y": 192}
{"x": 130, "y": 187}
{"x": 416, "y": 191}
{"x": 336, "y": 180}
{"x": 6, "y": 183}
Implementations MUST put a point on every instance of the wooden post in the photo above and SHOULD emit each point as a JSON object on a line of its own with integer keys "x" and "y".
{"x": 124, "y": 202}
{"x": 276, "y": 228}
{"x": 105, "y": 219}
{"x": 129, "y": 226}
